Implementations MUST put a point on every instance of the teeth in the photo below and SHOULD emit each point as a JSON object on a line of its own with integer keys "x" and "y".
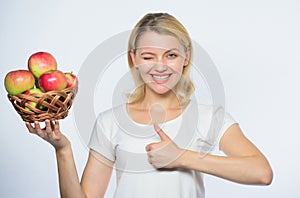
{"x": 161, "y": 77}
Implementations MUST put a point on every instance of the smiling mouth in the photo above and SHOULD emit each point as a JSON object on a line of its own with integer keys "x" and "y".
{"x": 160, "y": 79}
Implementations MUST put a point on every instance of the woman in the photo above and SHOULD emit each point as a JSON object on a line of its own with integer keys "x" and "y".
{"x": 164, "y": 163}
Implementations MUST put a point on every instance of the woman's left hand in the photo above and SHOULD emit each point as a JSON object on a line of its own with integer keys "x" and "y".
{"x": 164, "y": 154}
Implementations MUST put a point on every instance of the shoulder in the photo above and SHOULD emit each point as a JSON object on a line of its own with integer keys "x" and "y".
{"x": 210, "y": 112}
{"x": 212, "y": 120}
{"x": 108, "y": 120}
{"x": 109, "y": 114}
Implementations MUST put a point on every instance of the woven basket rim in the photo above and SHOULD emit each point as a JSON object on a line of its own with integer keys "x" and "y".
{"x": 51, "y": 105}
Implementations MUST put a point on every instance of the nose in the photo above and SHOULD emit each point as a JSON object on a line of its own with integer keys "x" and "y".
{"x": 159, "y": 67}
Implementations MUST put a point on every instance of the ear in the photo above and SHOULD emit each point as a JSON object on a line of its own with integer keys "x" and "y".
{"x": 132, "y": 56}
{"x": 188, "y": 56}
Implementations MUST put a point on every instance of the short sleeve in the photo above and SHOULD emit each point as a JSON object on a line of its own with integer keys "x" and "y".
{"x": 228, "y": 121}
{"x": 213, "y": 123}
{"x": 101, "y": 140}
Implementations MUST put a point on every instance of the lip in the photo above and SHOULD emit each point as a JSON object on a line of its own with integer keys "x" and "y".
{"x": 160, "y": 78}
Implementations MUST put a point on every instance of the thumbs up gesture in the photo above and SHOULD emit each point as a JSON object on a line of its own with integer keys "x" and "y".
{"x": 164, "y": 154}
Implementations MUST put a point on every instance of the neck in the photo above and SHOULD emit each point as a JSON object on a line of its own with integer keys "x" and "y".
{"x": 168, "y": 100}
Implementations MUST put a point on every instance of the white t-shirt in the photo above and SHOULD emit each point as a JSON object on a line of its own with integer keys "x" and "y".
{"x": 118, "y": 138}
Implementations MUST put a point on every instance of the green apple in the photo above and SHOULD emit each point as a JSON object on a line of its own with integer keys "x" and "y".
{"x": 31, "y": 103}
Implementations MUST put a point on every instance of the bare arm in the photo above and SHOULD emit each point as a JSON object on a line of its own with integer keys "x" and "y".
{"x": 95, "y": 178}
{"x": 68, "y": 179}
{"x": 97, "y": 172}
{"x": 244, "y": 163}
{"x": 96, "y": 175}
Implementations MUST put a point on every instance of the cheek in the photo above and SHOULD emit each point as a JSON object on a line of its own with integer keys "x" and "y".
{"x": 143, "y": 71}
{"x": 178, "y": 67}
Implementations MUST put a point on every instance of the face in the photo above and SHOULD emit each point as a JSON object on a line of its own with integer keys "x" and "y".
{"x": 159, "y": 59}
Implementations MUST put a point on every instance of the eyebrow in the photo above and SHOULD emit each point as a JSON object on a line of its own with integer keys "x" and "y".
{"x": 147, "y": 53}
{"x": 151, "y": 53}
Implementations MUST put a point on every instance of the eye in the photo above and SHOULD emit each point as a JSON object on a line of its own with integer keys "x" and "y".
{"x": 172, "y": 55}
{"x": 147, "y": 58}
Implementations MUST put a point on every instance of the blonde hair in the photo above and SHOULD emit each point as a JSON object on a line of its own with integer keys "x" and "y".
{"x": 161, "y": 23}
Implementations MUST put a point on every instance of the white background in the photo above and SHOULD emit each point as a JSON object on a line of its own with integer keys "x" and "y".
{"x": 254, "y": 44}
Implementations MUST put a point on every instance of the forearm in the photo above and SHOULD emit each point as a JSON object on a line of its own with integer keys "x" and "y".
{"x": 68, "y": 179}
{"x": 245, "y": 169}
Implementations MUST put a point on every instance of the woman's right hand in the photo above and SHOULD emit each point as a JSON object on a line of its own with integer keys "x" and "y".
{"x": 51, "y": 133}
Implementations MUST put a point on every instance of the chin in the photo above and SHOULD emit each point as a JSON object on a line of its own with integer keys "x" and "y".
{"x": 160, "y": 89}
{"x": 162, "y": 92}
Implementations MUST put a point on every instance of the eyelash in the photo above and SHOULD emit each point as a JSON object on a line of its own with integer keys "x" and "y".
{"x": 147, "y": 58}
{"x": 172, "y": 55}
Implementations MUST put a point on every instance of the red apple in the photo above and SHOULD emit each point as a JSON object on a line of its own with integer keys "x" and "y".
{"x": 18, "y": 81}
{"x": 41, "y": 62}
{"x": 31, "y": 103}
{"x": 52, "y": 80}
{"x": 72, "y": 80}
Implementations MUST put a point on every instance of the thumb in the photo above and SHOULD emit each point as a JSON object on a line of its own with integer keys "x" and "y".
{"x": 161, "y": 133}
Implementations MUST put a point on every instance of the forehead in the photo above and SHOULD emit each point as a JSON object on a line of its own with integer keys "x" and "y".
{"x": 154, "y": 40}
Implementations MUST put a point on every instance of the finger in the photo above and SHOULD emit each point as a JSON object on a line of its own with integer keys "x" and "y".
{"x": 37, "y": 126}
{"x": 38, "y": 129}
{"x": 149, "y": 147}
{"x": 161, "y": 133}
{"x": 29, "y": 127}
{"x": 150, "y": 160}
{"x": 56, "y": 127}
{"x": 51, "y": 124}
{"x": 48, "y": 127}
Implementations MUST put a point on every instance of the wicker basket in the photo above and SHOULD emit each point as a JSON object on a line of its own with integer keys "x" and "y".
{"x": 52, "y": 105}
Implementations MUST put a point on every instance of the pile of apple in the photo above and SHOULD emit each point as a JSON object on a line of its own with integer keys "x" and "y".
{"x": 42, "y": 76}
